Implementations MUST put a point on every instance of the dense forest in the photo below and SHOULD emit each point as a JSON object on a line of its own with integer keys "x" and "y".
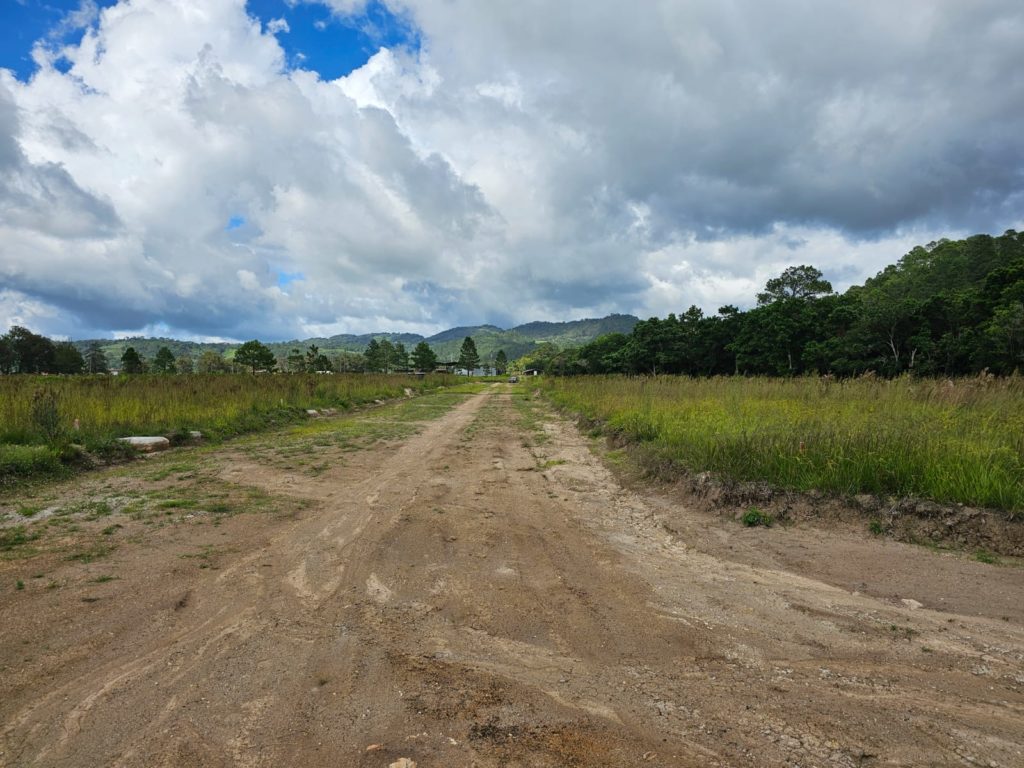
{"x": 945, "y": 309}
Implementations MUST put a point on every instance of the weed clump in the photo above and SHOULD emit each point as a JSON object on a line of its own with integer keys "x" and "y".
{"x": 754, "y": 517}
{"x": 16, "y": 536}
{"x": 45, "y": 414}
{"x": 984, "y": 556}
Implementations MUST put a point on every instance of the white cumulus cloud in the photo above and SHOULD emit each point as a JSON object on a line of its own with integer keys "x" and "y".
{"x": 525, "y": 161}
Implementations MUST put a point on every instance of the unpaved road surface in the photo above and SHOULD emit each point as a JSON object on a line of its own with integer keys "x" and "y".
{"x": 484, "y": 593}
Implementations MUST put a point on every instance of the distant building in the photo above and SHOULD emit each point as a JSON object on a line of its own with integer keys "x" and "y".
{"x": 531, "y": 372}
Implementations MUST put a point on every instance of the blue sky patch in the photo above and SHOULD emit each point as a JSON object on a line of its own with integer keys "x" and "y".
{"x": 235, "y": 222}
{"x": 316, "y": 39}
{"x": 320, "y": 41}
{"x": 284, "y": 279}
{"x": 23, "y": 22}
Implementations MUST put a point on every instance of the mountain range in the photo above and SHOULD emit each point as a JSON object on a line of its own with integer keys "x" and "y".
{"x": 516, "y": 342}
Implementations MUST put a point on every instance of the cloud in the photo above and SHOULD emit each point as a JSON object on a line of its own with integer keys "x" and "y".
{"x": 84, "y": 16}
{"x": 277, "y": 26}
{"x": 524, "y": 161}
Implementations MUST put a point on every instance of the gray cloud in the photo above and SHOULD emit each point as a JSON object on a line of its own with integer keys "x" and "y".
{"x": 733, "y": 116}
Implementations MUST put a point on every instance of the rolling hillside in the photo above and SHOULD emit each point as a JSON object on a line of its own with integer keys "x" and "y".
{"x": 489, "y": 339}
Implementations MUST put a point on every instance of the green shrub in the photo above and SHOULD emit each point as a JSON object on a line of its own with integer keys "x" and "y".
{"x": 755, "y": 517}
{"x": 45, "y": 414}
{"x": 18, "y": 462}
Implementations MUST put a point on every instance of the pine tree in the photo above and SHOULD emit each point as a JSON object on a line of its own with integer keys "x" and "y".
{"x": 131, "y": 362}
{"x": 469, "y": 358}
{"x": 255, "y": 355}
{"x": 163, "y": 362}
{"x": 374, "y": 356}
{"x": 423, "y": 357}
{"x": 96, "y": 359}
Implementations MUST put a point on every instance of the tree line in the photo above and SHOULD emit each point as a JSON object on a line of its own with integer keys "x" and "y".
{"x": 22, "y": 351}
{"x": 949, "y": 308}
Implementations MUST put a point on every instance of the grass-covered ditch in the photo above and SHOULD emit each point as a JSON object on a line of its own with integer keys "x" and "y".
{"x": 951, "y": 441}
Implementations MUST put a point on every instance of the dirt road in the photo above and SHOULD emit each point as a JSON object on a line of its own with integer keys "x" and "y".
{"x": 483, "y": 592}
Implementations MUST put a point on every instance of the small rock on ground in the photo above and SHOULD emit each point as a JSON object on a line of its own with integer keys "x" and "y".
{"x": 146, "y": 444}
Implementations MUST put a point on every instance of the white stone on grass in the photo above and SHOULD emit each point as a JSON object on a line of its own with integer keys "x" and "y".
{"x": 147, "y": 444}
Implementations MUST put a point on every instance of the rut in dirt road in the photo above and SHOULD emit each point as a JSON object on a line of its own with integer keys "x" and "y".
{"x": 484, "y": 593}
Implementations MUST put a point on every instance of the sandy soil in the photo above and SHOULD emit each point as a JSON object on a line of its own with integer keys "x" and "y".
{"x": 485, "y": 593}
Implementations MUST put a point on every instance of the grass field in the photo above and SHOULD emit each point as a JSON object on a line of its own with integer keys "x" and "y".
{"x": 38, "y": 414}
{"x": 950, "y": 441}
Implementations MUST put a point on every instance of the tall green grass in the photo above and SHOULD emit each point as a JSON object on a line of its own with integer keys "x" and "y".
{"x": 107, "y": 407}
{"x": 950, "y": 441}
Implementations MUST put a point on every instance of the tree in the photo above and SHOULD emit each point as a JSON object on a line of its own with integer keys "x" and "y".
{"x": 423, "y": 357}
{"x": 67, "y": 358}
{"x": 28, "y": 352}
{"x": 896, "y": 324}
{"x": 312, "y": 358}
{"x": 374, "y": 356}
{"x": 1006, "y": 331}
{"x": 500, "y": 362}
{"x": 8, "y": 361}
{"x": 349, "y": 362}
{"x": 131, "y": 362}
{"x": 163, "y": 362}
{"x": 212, "y": 362}
{"x": 184, "y": 363}
{"x": 401, "y": 357}
{"x": 603, "y": 354}
{"x": 387, "y": 356}
{"x": 96, "y": 359}
{"x": 469, "y": 358}
{"x": 316, "y": 360}
{"x": 803, "y": 282}
{"x": 256, "y": 356}
{"x": 295, "y": 361}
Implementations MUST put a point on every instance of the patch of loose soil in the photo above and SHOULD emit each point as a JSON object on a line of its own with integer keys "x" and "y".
{"x": 481, "y": 593}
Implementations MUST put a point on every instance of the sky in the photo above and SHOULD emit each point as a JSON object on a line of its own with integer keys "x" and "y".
{"x": 278, "y": 169}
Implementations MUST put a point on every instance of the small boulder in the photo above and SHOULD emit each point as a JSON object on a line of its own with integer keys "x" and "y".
{"x": 911, "y": 604}
{"x": 313, "y": 413}
{"x": 147, "y": 444}
{"x": 403, "y": 762}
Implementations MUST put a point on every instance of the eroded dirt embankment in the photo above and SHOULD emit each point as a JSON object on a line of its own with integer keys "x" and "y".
{"x": 483, "y": 592}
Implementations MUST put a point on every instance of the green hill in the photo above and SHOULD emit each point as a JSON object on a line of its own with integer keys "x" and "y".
{"x": 489, "y": 339}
